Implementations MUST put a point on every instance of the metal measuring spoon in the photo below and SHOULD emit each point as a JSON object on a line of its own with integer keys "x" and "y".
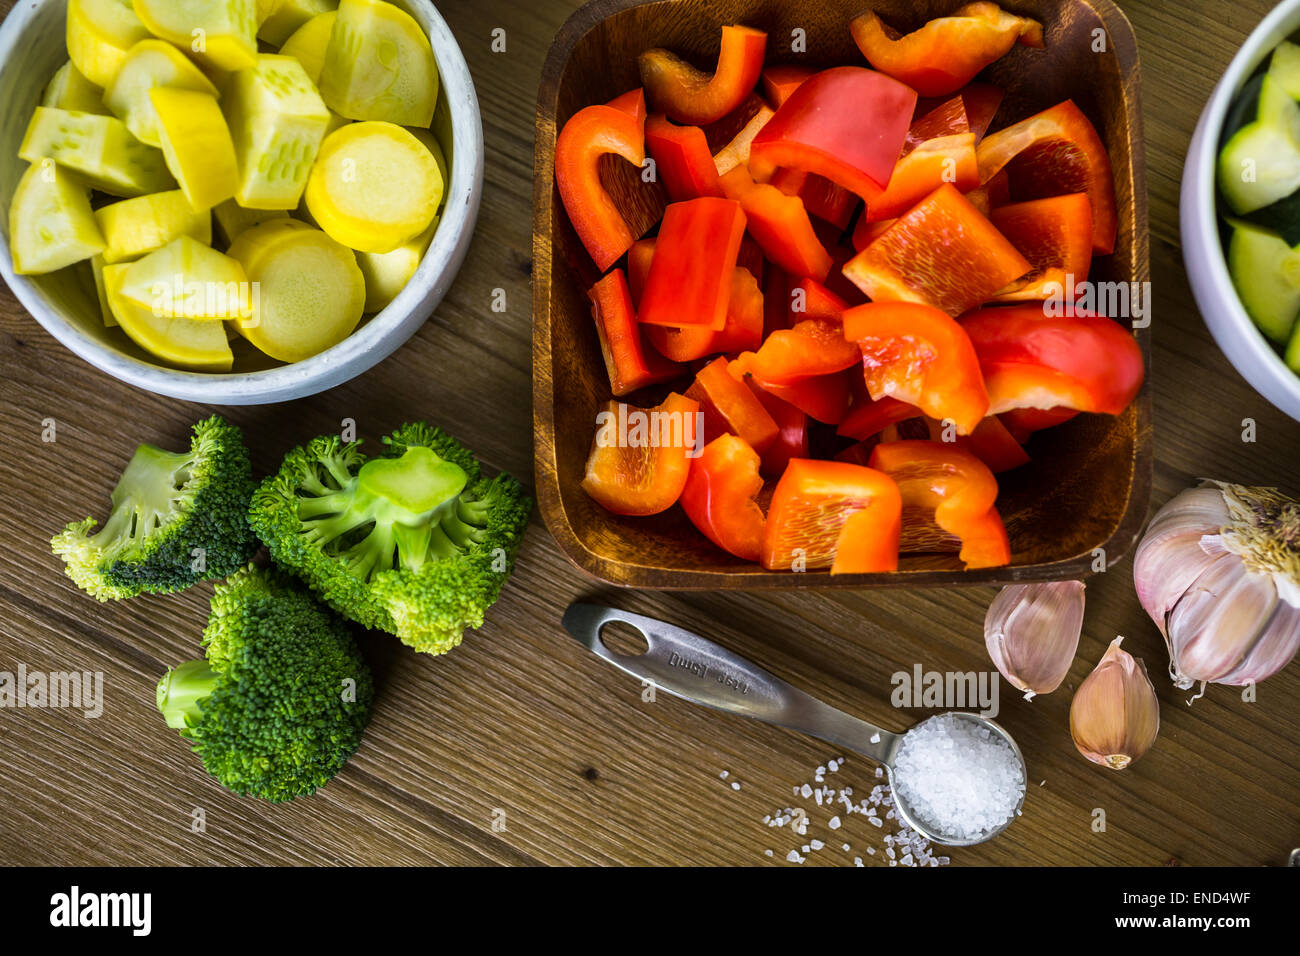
{"x": 695, "y": 669}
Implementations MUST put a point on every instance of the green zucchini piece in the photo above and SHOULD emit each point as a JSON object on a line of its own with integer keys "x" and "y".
{"x": 1261, "y": 162}
{"x": 1266, "y": 272}
{"x": 1285, "y": 68}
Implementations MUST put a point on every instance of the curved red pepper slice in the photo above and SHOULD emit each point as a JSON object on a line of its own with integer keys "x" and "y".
{"x": 719, "y": 496}
{"x": 956, "y": 489}
{"x": 919, "y": 355}
{"x": 831, "y": 514}
{"x": 639, "y": 463}
{"x": 1051, "y": 153}
{"x": 589, "y": 134}
{"x": 944, "y": 159}
{"x": 688, "y": 95}
{"x": 942, "y": 253}
{"x": 809, "y": 299}
{"x": 946, "y": 53}
{"x": 780, "y": 225}
{"x": 846, "y": 124}
{"x": 632, "y": 103}
{"x": 1033, "y": 360}
{"x": 682, "y": 159}
{"x": 1056, "y": 236}
{"x": 627, "y": 360}
{"x": 729, "y": 405}
{"x": 1023, "y": 422}
{"x": 742, "y": 332}
{"x": 813, "y": 347}
{"x": 780, "y": 81}
{"x": 823, "y": 398}
{"x": 690, "y": 275}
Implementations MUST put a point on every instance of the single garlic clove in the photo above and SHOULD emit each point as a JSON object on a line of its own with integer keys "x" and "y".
{"x": 1032, "y": 633}
{"x": 1115, "y": 716}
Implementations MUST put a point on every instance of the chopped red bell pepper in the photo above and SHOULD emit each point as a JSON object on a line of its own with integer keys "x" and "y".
{"x": 780, "y": 81}
{"x": 639, "y": 462}
{"x": 780, "y": 225}
{"x": 813, "y": 347}
{"x": 639, "y": 258}
{"x": 954, "y": 487}
{"x": 809, "y": 299}
{"x": 919, "y": 355}
{"x": 630, "y": 364}
{"x": 830, "y": 514}
{"x": 731, "y": 406}
{"x": 982, "y": 101}
{"x": 792, "y": 440}
{"x": 691, "y": 96}
{"x": 944, "y": 159}
{"x": 945, "y": 118}
{"x": 991, "y": 442}
{"x": 945, "y": 54}
{"x": 847, "y": 124}
{"x": 589, "y": 134}
{"x": 632, "y": 103}
{"x": 736, "y": 150}
{"x": 719, "y": 496}
{"x": 941, "y": 253}
{"x": 821, "y": 197}
{"x": 743, "y": 329}
{"x": 1035, "y": 360}
{"x": 690, "y": 275}
{"x": 870, "y": 417}
{"x": 991, "y": 195}
{"x": 682, "y": 159}
{"x": 1023, "y": 422}
{"x": 866, "y": 232}
{"x": 1052, "y": 153}
{"x": 1056, "y": 236}
{"x": 823, "y": 398}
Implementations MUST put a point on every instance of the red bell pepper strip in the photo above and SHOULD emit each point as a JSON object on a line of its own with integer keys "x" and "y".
{"x": 956, "y": 488}
{"x": 1023, "y": 422}
{"x": 780, "y": 81}
{"x": 729, "y": 405}
{"x": 944, "y": 159}
{"x": 1056, "y": 236}
{"x": 809, "y": 299}
{"x": 690, "y": 275}
{"x": 682, "y": 159}
{"x": 813, "y": 347}
{"x": 823, "y": 398}
{"x": 869, "y": 418}
{"x": 946, "y": 53}
{"x": 991, "y": 442}
{"x": 919, "y": 355}
{"x": 743, "y": 329}
{"x": 1035, "y": 360}
{"x": 780, "y": 225}
{"x": 1052, "y": 153}
{"x": 639, "y": 258}
{"x": 630, "y": 364}
{"x": 792, "y": 440}
{"x": 830, "y": 514}
{"x": 589, "y": 134}
{"x": 719, "y": 496}
{"x": 736, "y": 151}
{"x": 688, "y": 95}
{"x": 942, "y": 253}
{"x": 847, "y": 124}
{"x": 632, "y": 103}
{"x": 640, "y": 458}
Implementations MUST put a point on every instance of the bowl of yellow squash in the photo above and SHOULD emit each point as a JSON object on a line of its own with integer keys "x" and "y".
{"x": 234, "y": 203}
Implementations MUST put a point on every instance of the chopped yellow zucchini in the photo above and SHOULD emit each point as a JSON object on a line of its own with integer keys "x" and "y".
{"x": 98, "y": 149}
{"x": 186, "y": 279}
{"x": 232, "y": 218}
{"x": 221, "y": 33}
{"x": 311, "y": 293}
{"x": 277, "y": 121}
{"x": 379, "y": 65}
{"x": 50, "y": 222}
{"x": 374, "y": 187}
{"x": 151, "y": 63}
{"x": 197, "y": 145}
{"x": 289, "y": 16}
{"x": 99, "y": 32}
{"x": 197, "y": 345}
{"x": 69, "y": 90}
{"x": 309, "y": 43}
{"x": 431, "y": 144}
{"x": 387, "y": 274}
{"x": 101, "y": 291}
{"x": 136, "y": 227}
{"x": 266, "y": 9}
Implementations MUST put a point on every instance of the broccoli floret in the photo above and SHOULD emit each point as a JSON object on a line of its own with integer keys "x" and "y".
{"x": 279, "y": 705}
{"x": 178, "y": 518}
{"x": 415, "y": 541}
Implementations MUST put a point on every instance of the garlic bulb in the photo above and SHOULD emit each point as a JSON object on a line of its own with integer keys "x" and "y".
{"x": 1219, "y": 572}
{"x": 1115, "y": 716}
{"x": 1032, "y": 633}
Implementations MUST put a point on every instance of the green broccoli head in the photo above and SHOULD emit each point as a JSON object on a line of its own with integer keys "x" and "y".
{"x": 177, "y": 518}
{"x": 415, "y": 541}
{"x": 279, "y": 704}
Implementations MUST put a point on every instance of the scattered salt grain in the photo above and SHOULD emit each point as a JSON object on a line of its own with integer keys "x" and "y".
{"x": 725, "y": 774}
{"x": 735, "y": 785}
{"x": 794, "y": 857}
{"x": 834, "y": 823}
{"x": 875, "y": 738}
{"x": 817, "y": 844}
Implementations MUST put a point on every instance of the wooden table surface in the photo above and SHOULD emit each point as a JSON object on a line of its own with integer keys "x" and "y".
{"x": 523, "y": 727}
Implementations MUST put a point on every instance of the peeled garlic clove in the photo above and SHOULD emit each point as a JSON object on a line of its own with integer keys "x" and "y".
{"x": 1032, "y": 633}
{"x": 1115, "y": 716}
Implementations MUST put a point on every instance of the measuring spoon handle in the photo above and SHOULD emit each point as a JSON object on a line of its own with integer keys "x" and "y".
{"x": 695, "y": 669}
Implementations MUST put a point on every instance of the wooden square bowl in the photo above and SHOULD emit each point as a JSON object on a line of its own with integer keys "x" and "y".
{"x": 1085, "y": 494}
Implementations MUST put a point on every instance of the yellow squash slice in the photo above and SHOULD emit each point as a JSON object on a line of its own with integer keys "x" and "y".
{"x": 197, "y": 145}
{"x": 374, "y": 187}
{"x": 289, "y": 16}
{"x": 69, "y": 90}
{"x": 379, "y": 65}
{"x": 99, "y": 32}
{"x": 309, "y": 43}
{"x": 148, "y": 64}
{"x": 185, "y": 343}
{"x": 311, "y": 293}
{"x": 186, "y": 279}
{"x": 232, "y": 218}
{"x": 50, "y": 222}
{"x": 101, "y": 290}
{"x": 277, "y": 121}
{"x": 98, "y": 149}
{"x": 266, "y": 9}
{"x": 431, "y": 144}
{"x": 221, "y": 33}
{"x": 387, "y": 274}
{"x": 136, "y": 227}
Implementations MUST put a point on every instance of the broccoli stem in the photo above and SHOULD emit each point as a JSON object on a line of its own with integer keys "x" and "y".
{"x": 144, "y": 496}
{"x": 182, "y": 688}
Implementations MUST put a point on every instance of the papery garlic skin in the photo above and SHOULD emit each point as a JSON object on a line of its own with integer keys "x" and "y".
{"x": 1218, "y": 570}
{"x": 1032, "y": 633}
{"x": 1115, "y": 714}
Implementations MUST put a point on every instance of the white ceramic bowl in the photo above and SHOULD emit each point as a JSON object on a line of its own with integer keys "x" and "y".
{"x": 1245, "y": 346}
{"x": 32, "y": 48}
